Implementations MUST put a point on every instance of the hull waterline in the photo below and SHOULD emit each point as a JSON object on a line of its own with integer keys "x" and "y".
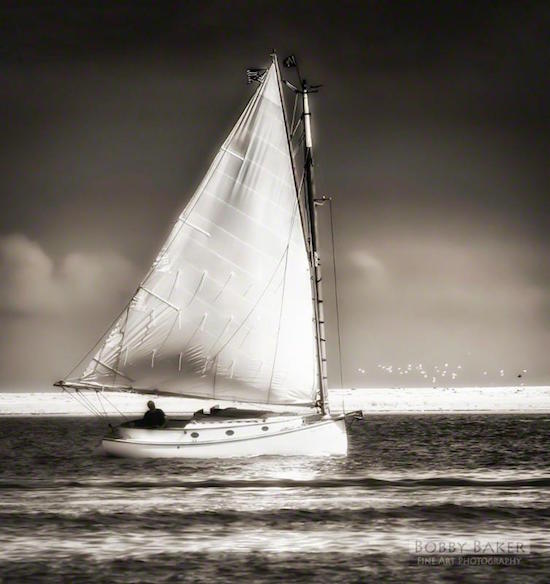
{"x": 279, "y": 437}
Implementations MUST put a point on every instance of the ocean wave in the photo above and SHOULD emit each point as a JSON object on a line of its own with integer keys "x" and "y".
{"x": 180, "y": 519}
{"x": 330, "y": 483}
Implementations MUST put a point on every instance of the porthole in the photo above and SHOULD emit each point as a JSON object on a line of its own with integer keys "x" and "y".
{"x": 265, "y": 428}
{"x": 194, "y": 434}
{"x": 229, "y": 432}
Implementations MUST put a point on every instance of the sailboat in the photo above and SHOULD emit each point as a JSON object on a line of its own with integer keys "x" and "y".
{"x": 232, "y": 308}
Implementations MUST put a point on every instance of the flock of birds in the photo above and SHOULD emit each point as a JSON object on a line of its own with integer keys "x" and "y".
{"x": 437, "y": 373}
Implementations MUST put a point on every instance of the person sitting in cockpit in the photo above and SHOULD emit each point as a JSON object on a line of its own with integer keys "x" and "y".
{"x": 153, "y": 418}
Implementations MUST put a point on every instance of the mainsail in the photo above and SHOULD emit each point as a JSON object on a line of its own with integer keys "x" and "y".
{"x": 225, "y": 311}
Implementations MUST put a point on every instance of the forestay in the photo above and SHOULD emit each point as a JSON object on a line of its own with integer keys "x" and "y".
{"x": 225, "y": 311}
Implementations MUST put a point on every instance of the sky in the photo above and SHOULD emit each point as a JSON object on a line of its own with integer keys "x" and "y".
{"x": 431, "y": 136}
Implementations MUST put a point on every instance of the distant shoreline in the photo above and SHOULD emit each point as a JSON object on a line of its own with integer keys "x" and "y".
{"x": 373, "y": 401}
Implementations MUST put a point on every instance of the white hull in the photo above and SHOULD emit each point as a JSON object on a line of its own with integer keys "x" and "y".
{"x": 280, "y": 436}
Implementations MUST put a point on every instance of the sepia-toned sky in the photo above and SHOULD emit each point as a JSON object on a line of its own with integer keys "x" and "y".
{"x": 432, "y": 135}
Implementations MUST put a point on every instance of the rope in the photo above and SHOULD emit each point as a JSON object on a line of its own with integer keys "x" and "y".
{"x": 245, "y": 320}
{"x": 336, "y": 293}
{"x": 282, "y": 303}
{"x": 76, "y": 399}
{"x": 294, "y": 110}
{"x": 83, "y": 401}
{"x": 98, "y": 395}
{"x": 114, "y": 407}
{"x": 91, "y": 406}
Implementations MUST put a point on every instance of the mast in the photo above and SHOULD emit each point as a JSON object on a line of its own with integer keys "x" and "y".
{"x": 314, "y": 251}
{"x": 310, "y": 227}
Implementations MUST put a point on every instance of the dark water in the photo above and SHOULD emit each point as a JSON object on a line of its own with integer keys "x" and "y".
{"x": 68, "y": 514}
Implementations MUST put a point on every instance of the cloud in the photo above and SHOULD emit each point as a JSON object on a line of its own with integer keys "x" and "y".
{"x": 366, "y": 261}
{"x": 32, "y": 283}
{"x": 369, "y": 270}
{"x": 440, "y": 279}
{"x": 488, "y": 280}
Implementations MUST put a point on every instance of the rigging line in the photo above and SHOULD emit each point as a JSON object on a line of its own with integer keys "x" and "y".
{"x": 111, "y": 369}
{"x": 79, "y": 400}
{"x": 336, "y": 292}
{"x": 301, "y": 186}
{"x": 296, "y": 136}
{"x": 297, "y": 147}
{"x": 92, "y": 405}
{"x": 282, "y": 303}
{"x": 255, "y": 305}
{"x": 99, "y": 413}
{"x": 114, "y": 407}
{"x": 85, "y": 400}
{"x": 98, "y": 395}
{"x": 76, "y": 399}
{"x": 83, "y": 404}
{"x": 294, "y": 110}
{"x": 294, "y": 129}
